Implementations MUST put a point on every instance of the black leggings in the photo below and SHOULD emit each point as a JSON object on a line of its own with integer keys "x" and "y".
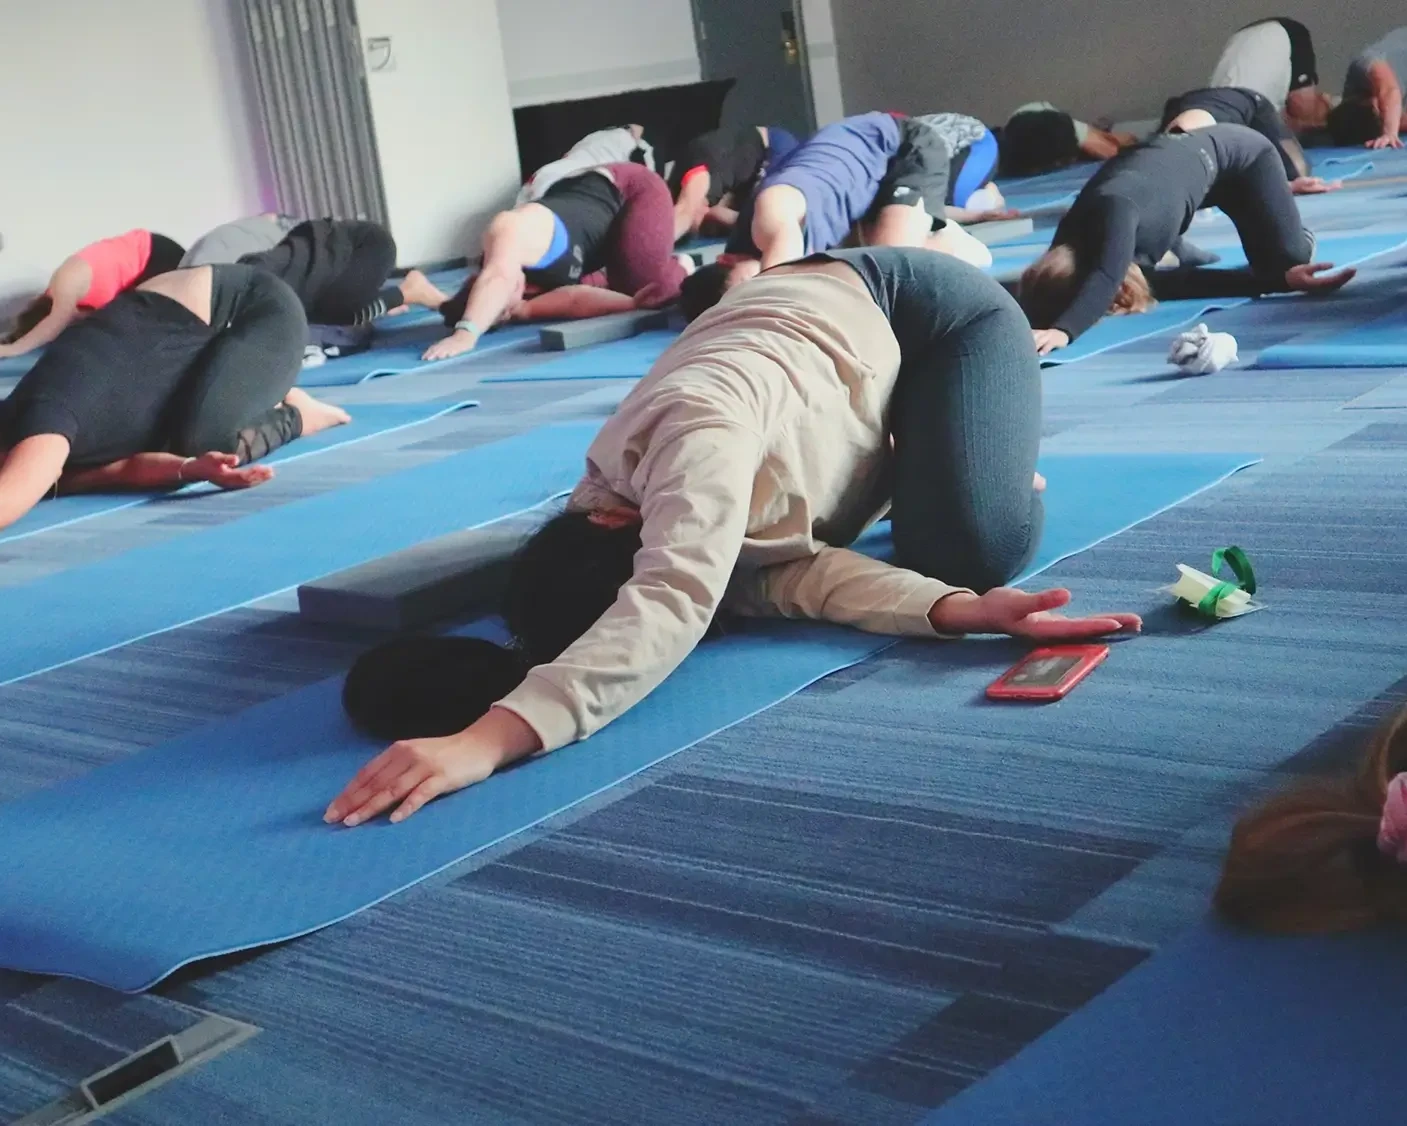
{"x": 166, "y": 255}
{"x": 232, "y": 398}
{"x": 338, "y": 268}
{"x": 1251, "y": 188}
{"x": 965, "y": 417}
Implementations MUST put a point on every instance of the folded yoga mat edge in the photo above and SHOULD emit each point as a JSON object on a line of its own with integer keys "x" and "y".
{"x": 53, "y": 823}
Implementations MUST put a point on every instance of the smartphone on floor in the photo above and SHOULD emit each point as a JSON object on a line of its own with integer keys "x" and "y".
{"x": 1047, "y": 674}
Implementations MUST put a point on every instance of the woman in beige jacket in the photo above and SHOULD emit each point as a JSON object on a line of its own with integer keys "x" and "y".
{"x": 780, "y": 426}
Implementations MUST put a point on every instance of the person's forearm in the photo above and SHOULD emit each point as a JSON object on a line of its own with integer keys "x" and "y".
{"x": 491, "y": 293}
{"x": 723, "y": 215}
{"x": 45, "y": 332}
{"x": 1099, "y": 145}
{"x": 788, "y": 244}
{"x": 1390, "y": 110}
{"x": 574, "y": 302}
{"x": 963, "y": 214}
{"x": 140, "y": 471}
{"x": 1292, "y": 155}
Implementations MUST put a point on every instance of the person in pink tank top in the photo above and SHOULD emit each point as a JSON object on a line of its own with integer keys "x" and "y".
{"x": 88, "y": 280}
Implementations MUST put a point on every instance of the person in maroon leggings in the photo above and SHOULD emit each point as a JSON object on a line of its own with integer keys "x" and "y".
{"x": 599, "y": 242}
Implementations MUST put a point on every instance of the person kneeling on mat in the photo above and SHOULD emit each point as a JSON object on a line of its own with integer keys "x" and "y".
{"x": 621, "y": 144}
{"x": 732, "y": 478}
{"x": 1328, "y": 855}
{"x": 188, "y": 377}
{"x": 1136, "y": 208}
{"x": 975, "y": 154}
{"x": 883, "y": 176}
{"x": 1275, "y": 57}
{"x": 1371, "y": 111}
{"x": 618, "y": 218}
{"x": 1233, "y": 105}
{"x": 715, "y": 174}
{"x": 87, "y": 281}
{"x": 1039, "y": 138}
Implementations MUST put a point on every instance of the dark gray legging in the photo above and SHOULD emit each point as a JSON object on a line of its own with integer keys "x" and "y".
{"x": 965, "y": 417}
{"x": 227, "y": 400}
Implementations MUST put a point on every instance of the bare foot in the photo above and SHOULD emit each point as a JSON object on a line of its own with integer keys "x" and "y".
{"x": 417, "y": 289}
{"x": 317, "y": 416}
{"x": 1039, "y": 483}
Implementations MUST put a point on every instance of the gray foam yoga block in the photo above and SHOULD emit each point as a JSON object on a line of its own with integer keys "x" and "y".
{"x": 1000, "y": 230}
{"x": 441, "y": 578}
{"x": 600, "y": 330}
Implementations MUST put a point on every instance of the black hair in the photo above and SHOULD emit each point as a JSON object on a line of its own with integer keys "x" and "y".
{"x": 561, "y": 581}
{"x": 30, "y": 316}
{"x": 1038, "y": 141}
{"x": 1354, "y": 123}
{"x": 703, "y": 289}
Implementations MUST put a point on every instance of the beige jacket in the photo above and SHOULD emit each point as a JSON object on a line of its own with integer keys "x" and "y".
{"x": 754, "y": 449}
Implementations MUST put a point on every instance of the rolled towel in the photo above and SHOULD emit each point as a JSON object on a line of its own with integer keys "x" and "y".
{"x": 1200, "y": 352}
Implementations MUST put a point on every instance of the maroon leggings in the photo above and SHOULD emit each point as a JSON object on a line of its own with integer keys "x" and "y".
{"x": 640, "y": 247}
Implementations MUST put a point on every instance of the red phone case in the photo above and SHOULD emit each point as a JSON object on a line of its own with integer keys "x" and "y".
{"x": 1090, "y": 658}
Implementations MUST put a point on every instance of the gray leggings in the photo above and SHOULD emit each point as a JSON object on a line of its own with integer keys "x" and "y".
{"x": 965, "y": 417}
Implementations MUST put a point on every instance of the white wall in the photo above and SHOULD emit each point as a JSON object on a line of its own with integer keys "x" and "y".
{"x": 444, "y": 128}
{"x": 819, "y": 29}
{"x": 120, "y": 115}
{"x": 562, "y": 49}
{"x": 1095, "y": 58}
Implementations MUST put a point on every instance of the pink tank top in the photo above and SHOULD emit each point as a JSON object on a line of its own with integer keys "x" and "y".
{"x": 116, "y": 263}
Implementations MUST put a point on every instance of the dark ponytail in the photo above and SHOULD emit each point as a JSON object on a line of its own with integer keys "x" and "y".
{"x": 562, "y": 580}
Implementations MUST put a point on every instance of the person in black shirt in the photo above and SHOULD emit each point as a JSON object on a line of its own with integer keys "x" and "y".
{"x": 189, "y": 377}
{"x": 339, "y": 269}
{"x": 1139, "y": 204}
{"x": 716, "y": 173}
{"x": 1238, "y": 105}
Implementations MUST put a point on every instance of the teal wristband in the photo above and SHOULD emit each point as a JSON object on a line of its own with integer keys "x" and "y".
{"x": 468, "y": 326}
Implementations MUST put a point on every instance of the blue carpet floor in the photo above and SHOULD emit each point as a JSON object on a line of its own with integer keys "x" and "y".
{"x": 863, "y": 906}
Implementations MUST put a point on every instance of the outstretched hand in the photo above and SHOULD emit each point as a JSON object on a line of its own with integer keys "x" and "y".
{"x": 1314, "y": 185}
{"x": 1386, "y": 141}
{"x": 456, "y": 344}
{"x": 1311, "y": 277}
{"x": 1020, "y": 613}
{"x": 225, "y": 472}
{"x": 996, "y": 214}
{"x": 1049, "y": 339}
{"x": 414, "y": 771}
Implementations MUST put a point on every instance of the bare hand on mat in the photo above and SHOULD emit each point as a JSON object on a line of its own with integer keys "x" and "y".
{"x": 414, "y": 771}
{"x": 1021, "y": 613}
{"x": 1049, "y": 339}
{"x": 1311, "y": 278}
{"x": 1313, "y": 185}
{"x": 224, "y": 471}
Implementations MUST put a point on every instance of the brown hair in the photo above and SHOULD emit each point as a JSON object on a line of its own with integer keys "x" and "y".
{"x": 1307, "y": 861}
{"x": 1049, "y": 283}
{"x": 30, "y": 316}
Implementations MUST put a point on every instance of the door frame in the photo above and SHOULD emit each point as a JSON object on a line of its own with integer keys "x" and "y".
{"x": 802, "y": 46}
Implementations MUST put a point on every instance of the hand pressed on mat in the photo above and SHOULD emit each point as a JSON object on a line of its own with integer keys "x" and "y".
{"x": 1020, "y": 613}
{"x": 1049, "y": 339}
{"x": 414, "y": 771}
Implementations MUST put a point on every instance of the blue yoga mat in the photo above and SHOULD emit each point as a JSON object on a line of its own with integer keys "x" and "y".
{"x": 88, "y": 609}
{"x": 368, "y": 421}
{"x": 1381, "y": 343}
{"x": 18, "y": 365}
{"x": 1220, "y": 1029}
{"x": 1164, "y": 319}
{"x": 630, "y": 358}
{"x": 401, "y": 359}
{"x": 213, "y": 842}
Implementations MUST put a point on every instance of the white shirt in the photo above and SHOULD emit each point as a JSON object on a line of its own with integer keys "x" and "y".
{"x": 605, "y": 146}
{"x": 1258, "y": 58}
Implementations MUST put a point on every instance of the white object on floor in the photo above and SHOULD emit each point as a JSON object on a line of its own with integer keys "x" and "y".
{"x": 986, "y": 198}
{"x": 1200, "y": 352}
{"x": 1192, "y": 586}
{"x": 313, "y": 356}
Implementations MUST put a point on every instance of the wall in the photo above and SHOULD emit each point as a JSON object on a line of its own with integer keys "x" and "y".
{"x": 818, "y": 28}
{"x": 1092, "y": 57}
{"x": 557, "y": 50}
{"x": 120, "y": 115}
{"x": 444, "y": 128}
